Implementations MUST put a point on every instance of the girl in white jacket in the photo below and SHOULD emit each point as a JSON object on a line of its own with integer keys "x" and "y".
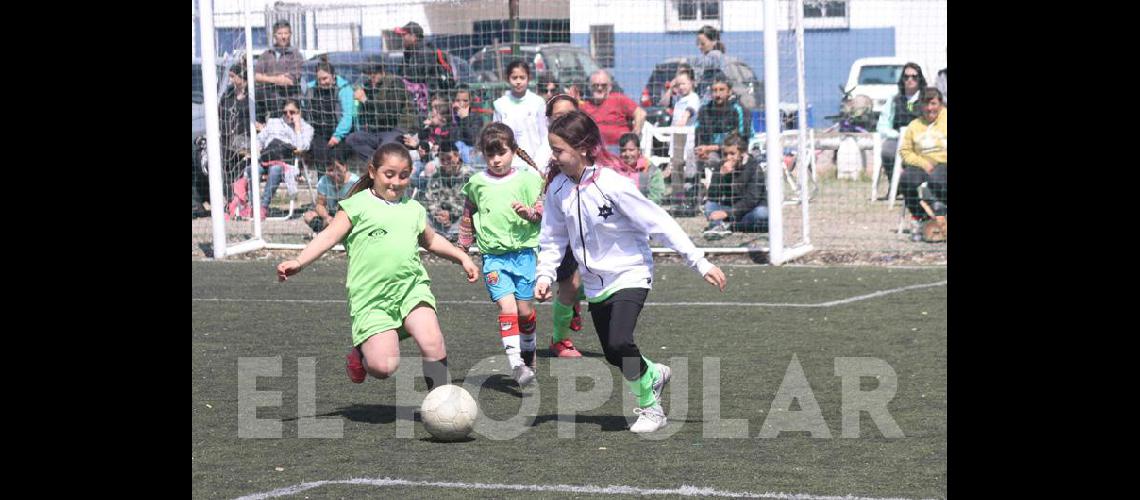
{"x": 607, "y": 223}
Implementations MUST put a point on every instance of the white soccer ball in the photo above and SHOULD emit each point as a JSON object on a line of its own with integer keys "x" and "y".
{"x": 448, "y": 412}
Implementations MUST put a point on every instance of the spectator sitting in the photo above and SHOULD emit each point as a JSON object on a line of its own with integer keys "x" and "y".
{"x": 738, "y": 196}
{"x": 611, "y": 111}
{"x": 649, "y": 179}
{"x": 386, "y": 112}
{"x": 719, "y": 117}
{"x": 436, "y": 128}
{"x": 280, "y": 139}
{"x": 331, "y": 188}
{"x": 667, "y": 93}
{"x": 330, "y": 108}
{"x": 923, "y": 154}
{"x": 941, "y": 84}
{"x": 904, "y": 108}
{"x": 443, "y": 192}
{"x": 547, "y": 87}
{"x": 465, "y": 124}
{"x": 277, "y": 72}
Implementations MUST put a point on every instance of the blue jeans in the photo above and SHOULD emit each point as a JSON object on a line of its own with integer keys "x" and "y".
{"x": 275, "y": 175}
{"x": 757, "y": 217}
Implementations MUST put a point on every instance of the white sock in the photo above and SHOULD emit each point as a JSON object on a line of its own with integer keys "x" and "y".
{"x": 511, "y": 347}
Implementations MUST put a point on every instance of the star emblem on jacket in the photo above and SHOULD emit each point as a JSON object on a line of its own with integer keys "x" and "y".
{"x": 605, "y": 211}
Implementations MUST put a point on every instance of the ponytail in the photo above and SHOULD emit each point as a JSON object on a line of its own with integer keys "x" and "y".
{"x": 521, "y": 153}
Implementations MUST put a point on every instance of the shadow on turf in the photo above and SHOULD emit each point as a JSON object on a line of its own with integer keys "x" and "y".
{"x": 374, "y": 414}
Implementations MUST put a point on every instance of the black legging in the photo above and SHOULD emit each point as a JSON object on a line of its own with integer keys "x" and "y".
{"x": 615, "y": 319}
{"x": 277, "y": 150}
{"x": 912, "y": 177}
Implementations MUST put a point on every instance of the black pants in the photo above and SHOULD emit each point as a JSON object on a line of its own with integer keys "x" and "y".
{"x": 615, "y": 319}
{"x": 568, "y": 266}
{"x": 912, "y": 177}
{"x": 277, "y": 150}
{"x": 365, "y": 143}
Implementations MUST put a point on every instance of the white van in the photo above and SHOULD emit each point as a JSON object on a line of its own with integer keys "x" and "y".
{"x": 878, "y": 78}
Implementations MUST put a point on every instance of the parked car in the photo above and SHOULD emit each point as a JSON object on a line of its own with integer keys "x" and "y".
{"x": 877, "y": 78}
{"x": 563, "y": 62}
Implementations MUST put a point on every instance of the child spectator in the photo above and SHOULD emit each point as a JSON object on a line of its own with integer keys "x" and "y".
{"x": 738, "y": 195}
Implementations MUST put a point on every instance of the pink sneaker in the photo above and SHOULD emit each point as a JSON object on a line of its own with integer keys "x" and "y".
{"x": 355, "y": 366}
{"x": 565, "y": 349}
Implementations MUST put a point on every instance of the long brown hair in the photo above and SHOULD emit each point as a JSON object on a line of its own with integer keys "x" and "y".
{"x": 582, "y": 133}
{"x": 378, "y": 157}
{"x": 497, "y": 137}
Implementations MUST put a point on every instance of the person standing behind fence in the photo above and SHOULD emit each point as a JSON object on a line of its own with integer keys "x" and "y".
{"x": 330, "y": 108}
{"x": 525, "y": 113}
{"x": 389, "y": 291}
{"x": 423, "y": 63}
{"x": 608, "y": 223}
{"x": 712, "y": 49}
{"x": 501, "y": 212}
{"x": 233, "y": 115}
{"x": 277, "y": 72}
{"x": 386, "y": 112}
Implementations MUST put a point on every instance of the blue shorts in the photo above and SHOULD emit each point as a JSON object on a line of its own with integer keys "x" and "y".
{"x": 510, "y": 273}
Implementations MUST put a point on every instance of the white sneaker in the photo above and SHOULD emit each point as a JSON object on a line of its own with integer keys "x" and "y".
{"x": 649, "y": 419}
{"x": 663, "y": 373}
{"x": 524, "y": 375}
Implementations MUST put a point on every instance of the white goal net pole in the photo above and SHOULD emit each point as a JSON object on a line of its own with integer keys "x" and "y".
{"x": 772, "y": 125}
{"x": 213, "y": 137}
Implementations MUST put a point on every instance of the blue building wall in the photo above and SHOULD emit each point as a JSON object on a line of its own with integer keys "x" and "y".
{"x": 828, "y": 55}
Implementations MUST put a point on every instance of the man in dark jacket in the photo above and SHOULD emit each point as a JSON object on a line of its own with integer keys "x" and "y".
{"x": 422, "y": 62}
{"x": 717, "y": 119}
{"x": 737, "y": 194}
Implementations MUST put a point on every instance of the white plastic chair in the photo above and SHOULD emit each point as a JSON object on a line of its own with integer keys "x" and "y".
{"x": 289, "y": 181}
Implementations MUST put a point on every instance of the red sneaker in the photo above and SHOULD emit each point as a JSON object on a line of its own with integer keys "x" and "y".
{"x": 565, "y": 349}
{"x": 355, "y": 366}
{"x": 576, "y": 321}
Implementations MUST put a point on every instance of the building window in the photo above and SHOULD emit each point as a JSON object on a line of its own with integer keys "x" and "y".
{"x": 826, "y": 14}
{"x": 690, "y": 15}
{"x": 602, "y": 45}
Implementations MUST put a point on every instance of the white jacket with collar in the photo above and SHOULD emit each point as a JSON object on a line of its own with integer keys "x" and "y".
{"x": 607, "y": 222}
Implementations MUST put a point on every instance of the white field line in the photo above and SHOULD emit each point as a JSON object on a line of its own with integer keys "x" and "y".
{"x": 831, "y": 303}
{"x": 557, "y": 488}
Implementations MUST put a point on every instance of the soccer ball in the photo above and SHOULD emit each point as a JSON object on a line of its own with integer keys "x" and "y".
{"x": 448, "y": 412}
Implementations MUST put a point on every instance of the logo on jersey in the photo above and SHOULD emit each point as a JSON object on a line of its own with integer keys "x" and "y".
{"x": 493, "y": 278}
{"x": 377, "y": 232}
{"x": 605, "y": 211}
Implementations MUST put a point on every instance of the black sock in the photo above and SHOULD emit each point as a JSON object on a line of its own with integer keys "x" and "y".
{"x": 435, "y": 373}
{"x": 528, "y": 358}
